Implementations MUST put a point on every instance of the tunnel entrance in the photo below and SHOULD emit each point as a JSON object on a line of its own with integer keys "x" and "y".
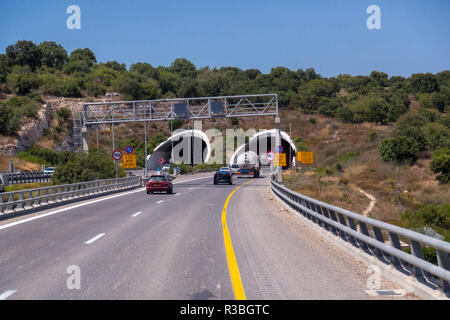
{"x": 182, "y": 146}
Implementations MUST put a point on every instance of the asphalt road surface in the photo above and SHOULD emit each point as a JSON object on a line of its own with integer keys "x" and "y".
{"x": 138, "y": 246}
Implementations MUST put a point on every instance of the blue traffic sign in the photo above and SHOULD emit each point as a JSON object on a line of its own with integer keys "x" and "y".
{"x": 129, "y": 149}
{"x": 279, "y": 149}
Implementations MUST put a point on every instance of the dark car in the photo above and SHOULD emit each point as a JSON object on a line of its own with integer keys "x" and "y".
{"x": 159, "y": 183}
{"x": 223, "y": 176}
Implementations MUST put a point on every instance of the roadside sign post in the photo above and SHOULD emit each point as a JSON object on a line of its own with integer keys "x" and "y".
{"x": 117, "y": 155}
{"x": 280, "y": 160}
{"x": 161, "y": 162}
{"x": 305, "y": 157}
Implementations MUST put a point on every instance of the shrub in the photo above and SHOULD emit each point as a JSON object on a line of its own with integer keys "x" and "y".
{"x": 64, "y": 114}
{"x": 22, "y": 80}
{"x": 399, "y": 149}
{"x": 436, "y": 217}
{"x": 14, "y": 111}
{"x": 345, "y": 114}
{"x": 441, "y": 164}
{"x": 436, "y": 135}
{"x": 86, "y": 167}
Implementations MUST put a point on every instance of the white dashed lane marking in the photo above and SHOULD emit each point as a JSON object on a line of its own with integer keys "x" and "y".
{"x": 136, "y": 214}
{"x": 5, "y": 295}
{"x": 160, "y": 201}
{"x": 95, "y": 238}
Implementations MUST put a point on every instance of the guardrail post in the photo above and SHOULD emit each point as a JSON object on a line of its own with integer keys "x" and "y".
{"x": 1, "y": 204}
{"x": 20, "y": 204}
{"x": 416, "y": 250}
{"x": 395, "y": 242}
{"x": 379, "y": 236}
{"x": 9, "y": 207}
{"x": 28, "y": 204}
{"x": 44, "y": 194}
{"x": 444, "y": 262}
{"x": 365, "y": 231}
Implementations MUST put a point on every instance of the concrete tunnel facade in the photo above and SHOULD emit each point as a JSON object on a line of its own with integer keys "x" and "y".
{"x": 265, "y": 141}
{"x": 188, "y": 140}
{"x": 185, "y": 140}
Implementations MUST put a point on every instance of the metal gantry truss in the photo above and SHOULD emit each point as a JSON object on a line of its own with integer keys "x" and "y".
{"x": 166, "y": 109}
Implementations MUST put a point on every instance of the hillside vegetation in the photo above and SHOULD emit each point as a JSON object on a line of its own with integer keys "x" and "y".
{"x": 388, "y": 136}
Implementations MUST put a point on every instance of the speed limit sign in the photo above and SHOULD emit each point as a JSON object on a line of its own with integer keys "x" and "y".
{"x": 117, "y": 155}
{"x": 162, "y": 161}
{"x": 270, "y": 156}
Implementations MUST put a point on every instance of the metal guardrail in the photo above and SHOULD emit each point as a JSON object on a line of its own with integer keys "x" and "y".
{"x": 27, "y": 177}
{"x": 369, "y": 235}
{"x": 39, "y": 198}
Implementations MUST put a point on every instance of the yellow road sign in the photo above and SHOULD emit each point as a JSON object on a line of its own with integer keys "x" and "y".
{"x": 129, "y": 161}
{"x": 305, "y": 157}
{"x": 280, "y": 160}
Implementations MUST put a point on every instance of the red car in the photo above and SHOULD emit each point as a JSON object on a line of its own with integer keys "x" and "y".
{"x": 159, "y": 183}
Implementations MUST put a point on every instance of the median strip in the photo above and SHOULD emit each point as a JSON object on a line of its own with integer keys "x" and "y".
{"x": 233, "y": 268}
{"x": 95, "y": 238}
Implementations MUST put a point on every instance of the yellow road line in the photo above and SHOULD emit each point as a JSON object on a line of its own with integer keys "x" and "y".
{"x": 233, "y": 268}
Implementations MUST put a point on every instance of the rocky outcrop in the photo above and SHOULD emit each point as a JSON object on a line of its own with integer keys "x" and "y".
{"x": 29, "y": 133}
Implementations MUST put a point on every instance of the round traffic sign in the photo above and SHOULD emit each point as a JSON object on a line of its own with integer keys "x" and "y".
{"x": 270, "y": 156}
{"x": 279, "y": 149}
{"x": 117, "y": 155}
{"x": 162, "y": 161}
{"x": 129, "y": 149}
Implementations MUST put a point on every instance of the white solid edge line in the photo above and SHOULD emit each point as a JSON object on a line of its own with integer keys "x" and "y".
{"x": 160, "y": 201}
{"x": 136, "y": 214}
{"x": 80, "y": 205}
{"x": 5, "y": 295}
{"x": 95, "y": 238}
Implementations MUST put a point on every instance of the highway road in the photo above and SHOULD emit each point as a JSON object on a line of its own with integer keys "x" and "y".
{"x": 138, "y": 246}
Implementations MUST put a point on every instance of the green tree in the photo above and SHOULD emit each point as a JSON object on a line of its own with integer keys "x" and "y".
{"x": 436, "y": 135}
{"x": 424, "y": 83}
{"x": 183, "y": 68}
{"x": 53, "y": 55}
{"x": 8, "y": 124}
{"x": 136, "y": 87}
{"x": 83, "y": 54}
{"x": 378, "y": 111}
{"x": 441, "y": 164}
{"x": 439, "y": 101}
{"x": 379, "y": 78}
{"x": 4, "y": 68}
{"x": 120, "y": 67}
{"x": 24, "y": 53}
{"x": 400, "y": 150}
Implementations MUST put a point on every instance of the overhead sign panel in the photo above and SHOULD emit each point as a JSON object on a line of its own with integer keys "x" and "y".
{"x": 181, "y": 110}
{"x": 216, "y": 108}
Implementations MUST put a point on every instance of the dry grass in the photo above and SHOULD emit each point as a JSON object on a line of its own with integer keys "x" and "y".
{"x": 331, "y": 140}
{"x": 19, "y": 164}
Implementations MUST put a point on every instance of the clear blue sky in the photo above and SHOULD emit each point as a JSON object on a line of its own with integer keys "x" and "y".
{"x": 328, "y": 35}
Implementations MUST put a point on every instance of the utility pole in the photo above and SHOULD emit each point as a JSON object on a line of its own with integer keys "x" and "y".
{"x": 278, "y": 142}
{"x": 113, "y": 140}
{"x": 145, "y": 138}
{"x": 290, "y": 138}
